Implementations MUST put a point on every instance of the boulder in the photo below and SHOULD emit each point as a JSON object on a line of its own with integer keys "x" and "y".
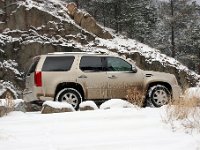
{"x": 31, "y": 107}
{"x": 87, "y": 105}
{"x": 56, "y": 107}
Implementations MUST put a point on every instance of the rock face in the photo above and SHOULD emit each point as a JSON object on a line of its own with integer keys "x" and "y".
{"x": 86, "y": 21}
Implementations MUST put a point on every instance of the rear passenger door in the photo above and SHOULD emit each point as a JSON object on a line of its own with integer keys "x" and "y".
{"x": 93, "y": 77}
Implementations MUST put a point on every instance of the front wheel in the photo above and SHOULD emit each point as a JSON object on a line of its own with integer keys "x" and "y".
{"x": 69, "y": 95}
{"x": 159, "y": 95}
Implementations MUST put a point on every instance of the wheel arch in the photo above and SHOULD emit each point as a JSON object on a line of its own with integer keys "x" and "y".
{"x": 151, "y": 84}
{"x": 73, "y": 85}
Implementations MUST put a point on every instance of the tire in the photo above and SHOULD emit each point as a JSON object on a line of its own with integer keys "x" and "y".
{"x": 69, "y": 95}
{"x": 158, "y": 96}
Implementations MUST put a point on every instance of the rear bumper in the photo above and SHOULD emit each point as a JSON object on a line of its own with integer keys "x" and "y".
{"x": 28, "y": 96}
{"x": 35, "y": 94}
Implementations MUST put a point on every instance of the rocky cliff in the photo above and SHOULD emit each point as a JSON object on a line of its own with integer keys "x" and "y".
{"x": 33, "y": 27}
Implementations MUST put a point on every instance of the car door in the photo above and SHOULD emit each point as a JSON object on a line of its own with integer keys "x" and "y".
{"x": 93, "y": 77}
{"x": 121, "y": 77}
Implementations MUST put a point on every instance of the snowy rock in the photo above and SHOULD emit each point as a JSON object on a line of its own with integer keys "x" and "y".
{"x": 116, "y": 103}
{"x": 19, "y": 105}
{"x": 87, "y": 105}
{"x": 56, "y": 107}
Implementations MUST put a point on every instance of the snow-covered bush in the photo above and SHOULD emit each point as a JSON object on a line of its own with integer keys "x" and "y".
{"x": 135, "y": 97}
{"x": 185, "y": 111}
{"x": 116, "y": 103}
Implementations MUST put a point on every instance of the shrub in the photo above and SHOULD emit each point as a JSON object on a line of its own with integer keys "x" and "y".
{"x": 7, "y": 105}
{"x": 135, "y": 97}
{"x": 185, "y": 113}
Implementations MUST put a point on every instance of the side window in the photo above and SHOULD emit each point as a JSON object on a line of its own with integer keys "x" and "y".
{"x": 33, "y": 66}
{"x": 91, "y": 63}
{"x": 117, "y": 64}
{"x": 59, "y": 63}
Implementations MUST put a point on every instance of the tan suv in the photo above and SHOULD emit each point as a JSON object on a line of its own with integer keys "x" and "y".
{"x": 74, "y": 77}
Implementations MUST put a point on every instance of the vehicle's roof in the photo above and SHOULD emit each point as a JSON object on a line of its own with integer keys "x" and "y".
{"x": 74, "y": 53}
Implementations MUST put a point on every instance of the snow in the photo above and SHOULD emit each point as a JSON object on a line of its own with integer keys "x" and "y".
{"x": 11, "y": 65}
{"x": 58, "y": 105}
{"x": 193, "y": 92}
{"x": 116, "y": 104}
{"x": 88, "y": 103}
{"x": 113, "y": 129}
{"x": 15, "y": 102}
{"x": 2, "y": 102}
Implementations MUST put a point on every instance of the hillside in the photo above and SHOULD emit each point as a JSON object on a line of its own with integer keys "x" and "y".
{"x": 33, "y": 27}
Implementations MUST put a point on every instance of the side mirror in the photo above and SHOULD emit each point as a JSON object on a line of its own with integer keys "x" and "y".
{"x": 134, "y": 69}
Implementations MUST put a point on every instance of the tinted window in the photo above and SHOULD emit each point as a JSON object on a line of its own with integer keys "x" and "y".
{"x": 61, "y": 63}
{"x": 33, "y": 66}
{"x": 117, "y": 64}
{"x": 91, "y": 63}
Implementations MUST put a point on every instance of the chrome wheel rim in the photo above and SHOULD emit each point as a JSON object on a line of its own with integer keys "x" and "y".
{"x": 70, "y": 98}
{"x": 160, "y": 97}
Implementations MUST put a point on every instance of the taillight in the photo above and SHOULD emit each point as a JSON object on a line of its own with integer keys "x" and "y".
{"x": 38, "y": 78}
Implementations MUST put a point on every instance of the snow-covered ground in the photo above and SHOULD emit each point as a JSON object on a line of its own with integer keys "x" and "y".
{"x": 112, "y": 129}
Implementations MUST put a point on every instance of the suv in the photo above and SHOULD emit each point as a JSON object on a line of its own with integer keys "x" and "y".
{"x": 74, "y": 77}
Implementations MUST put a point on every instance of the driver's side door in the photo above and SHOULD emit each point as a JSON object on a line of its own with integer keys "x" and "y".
{"x": 121, "y": 77}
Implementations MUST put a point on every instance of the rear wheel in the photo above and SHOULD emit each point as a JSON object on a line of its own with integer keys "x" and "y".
{"x": 69, "y": 95}
{"x": 158, "y": 95}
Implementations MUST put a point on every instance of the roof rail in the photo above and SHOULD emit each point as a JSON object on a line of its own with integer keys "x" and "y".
{"x": 60, "y": 53}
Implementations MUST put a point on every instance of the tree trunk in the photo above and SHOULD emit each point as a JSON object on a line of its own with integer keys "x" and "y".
{"x": 117, "y": 11}
{"x": 172, "y": 30}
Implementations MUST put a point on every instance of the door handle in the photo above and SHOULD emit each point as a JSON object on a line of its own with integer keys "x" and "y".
{"x": 82, "y": 76}
{"x": 112, "y": 77}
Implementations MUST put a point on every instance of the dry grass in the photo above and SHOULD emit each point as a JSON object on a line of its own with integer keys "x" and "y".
{"x": 184, "y": 113}
{"x": 9, "y": 103}
{"x": 135, "y": 97}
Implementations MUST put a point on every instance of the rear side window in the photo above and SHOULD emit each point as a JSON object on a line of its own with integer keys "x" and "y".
{"x": 91, "y": 63}
{"x": 33, "y": 66}
{"x": 61, "y": 63}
